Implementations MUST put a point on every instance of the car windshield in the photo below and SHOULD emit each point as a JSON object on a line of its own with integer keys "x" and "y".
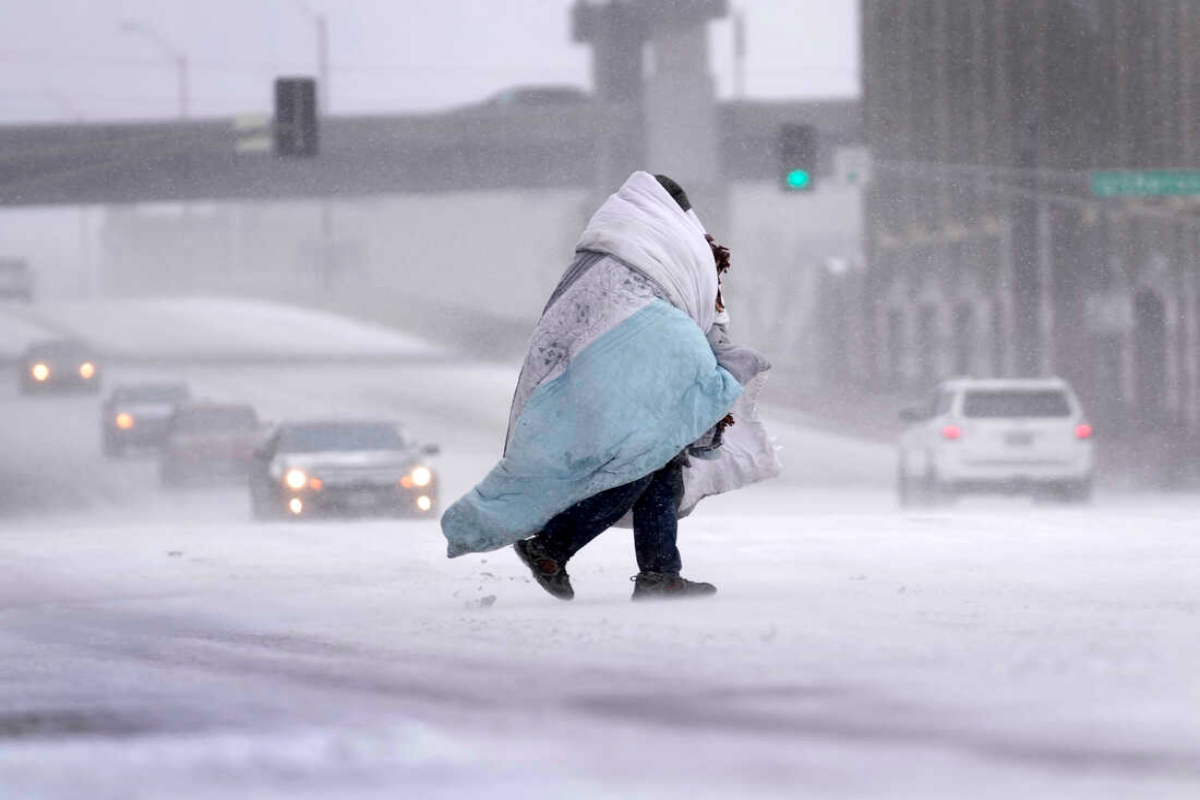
{"x": 151, "y": 394}
{"x": 549, "y": 95}
{"x": 1017, "y": 403}
{"x": 216, "y": 419}
{"x": 342, "y": 436}
{"x": 61, "y": 350}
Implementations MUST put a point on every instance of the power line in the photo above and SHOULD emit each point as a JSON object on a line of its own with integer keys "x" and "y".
{"x": 128, "y": 61}
{"x": 140, "y": 99}
{"x": 996, "y": 169}
{"x": 920, "y": 170}
{"x": 268, "y": 66}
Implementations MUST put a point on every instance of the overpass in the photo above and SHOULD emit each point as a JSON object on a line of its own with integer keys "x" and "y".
{"x": 478, "y": 147}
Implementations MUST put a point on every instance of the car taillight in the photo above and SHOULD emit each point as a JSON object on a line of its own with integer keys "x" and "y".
{"x": 1083, "y": 431}
{"x": 952, "y": 432}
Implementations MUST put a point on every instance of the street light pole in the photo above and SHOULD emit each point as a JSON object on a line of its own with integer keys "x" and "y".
{"x": 63, "y": 103}
{"x": 739, "y": 55}
{"x": 174, "y": 54}
{"x": 87, "y": 281}
{"x": 322, "y": 28}
{"x": 323, "y": 62}
{"x": 181, "y": 67}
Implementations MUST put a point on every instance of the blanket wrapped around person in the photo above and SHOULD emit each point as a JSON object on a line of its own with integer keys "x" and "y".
{"x": 620, "y": 378}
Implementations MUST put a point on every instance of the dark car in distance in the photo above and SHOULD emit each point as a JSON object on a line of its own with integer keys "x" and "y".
{"x": 136, "y": 415}
{"x": 535, "y": 96}
{"x": 208, "y": 441}
{"x": 338, "y": 467}
{"x": 16, "y": 280}
{"x": 58, "y": 366}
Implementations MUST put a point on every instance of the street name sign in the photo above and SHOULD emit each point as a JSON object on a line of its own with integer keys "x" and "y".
{"x": 1139, "y": 183}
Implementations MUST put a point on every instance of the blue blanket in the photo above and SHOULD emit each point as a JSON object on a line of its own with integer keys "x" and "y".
{"x": 623, "y": 407}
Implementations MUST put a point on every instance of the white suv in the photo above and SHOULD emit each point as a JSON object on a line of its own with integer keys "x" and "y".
{"x": 996, "y": 435}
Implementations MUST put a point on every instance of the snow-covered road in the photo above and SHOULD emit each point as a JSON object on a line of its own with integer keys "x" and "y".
{"x": 160, "y": 645}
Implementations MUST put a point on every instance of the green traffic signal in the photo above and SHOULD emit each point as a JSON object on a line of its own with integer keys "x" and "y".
{"x": 797, "y": 151}
{"x": 798, "y": 179}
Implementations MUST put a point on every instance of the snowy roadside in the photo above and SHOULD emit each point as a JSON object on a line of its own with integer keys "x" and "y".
{"x": 202, "y": 329}
{"x": 160, "y": 645}
{"x": 1032, "y": 655}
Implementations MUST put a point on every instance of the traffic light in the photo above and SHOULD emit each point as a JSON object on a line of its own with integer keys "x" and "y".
{"x": 798, "y": 157}
{"x": 295, "y": 117}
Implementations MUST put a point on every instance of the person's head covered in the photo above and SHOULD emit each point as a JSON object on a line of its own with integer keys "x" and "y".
{"x": 675, "y": 190}
{"x": 649, "y": 223}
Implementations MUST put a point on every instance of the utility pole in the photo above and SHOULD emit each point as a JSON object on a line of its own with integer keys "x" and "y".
{"x": 174, "y": 54}
{"x": 323, "y": 62}
{"x": 1027, "y": 243}
{"x": 87, "y": 281}
{"x": 323, "y": 110}
{"x": 181, "y": 68}
{"x": 89, "y": 287}
{"x": 739, "y": 55}
{"x": 64, "y": 104}
{"x": 321, "y": 24}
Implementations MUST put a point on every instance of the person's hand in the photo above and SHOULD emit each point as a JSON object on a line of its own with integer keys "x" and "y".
{"x": 720, "y": 254}
{"x": 721, "y": 257}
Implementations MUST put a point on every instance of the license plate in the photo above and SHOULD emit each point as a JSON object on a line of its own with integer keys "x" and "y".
{"x": 1018, "y": 439}
{"x": 362, "y": 499}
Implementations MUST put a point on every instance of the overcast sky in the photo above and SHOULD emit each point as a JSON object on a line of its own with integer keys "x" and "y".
{"x": 68, "y": 58}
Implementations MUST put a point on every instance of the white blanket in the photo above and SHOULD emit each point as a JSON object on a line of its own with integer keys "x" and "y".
{"x": 643, "y": 226}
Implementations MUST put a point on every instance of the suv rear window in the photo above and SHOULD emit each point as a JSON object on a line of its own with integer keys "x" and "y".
{"x": 151, "y": 394}
{"x": 215, "y": 419}
{"x": 1017, "y": 403}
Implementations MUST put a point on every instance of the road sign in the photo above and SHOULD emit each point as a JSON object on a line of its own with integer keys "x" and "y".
{"x": 852, "y": 165}
{"x": 1138, "y": 183}
{"x": 252, "y": 133}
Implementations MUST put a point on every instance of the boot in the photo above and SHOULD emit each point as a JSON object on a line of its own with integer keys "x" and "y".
{"x": 548, "y": 571}
{"x": 655, "y": 585}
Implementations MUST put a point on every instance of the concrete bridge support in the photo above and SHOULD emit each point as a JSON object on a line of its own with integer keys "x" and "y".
{"x": 664, "y": 121}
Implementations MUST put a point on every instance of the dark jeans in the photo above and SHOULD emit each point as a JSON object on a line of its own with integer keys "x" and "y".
{"x": 655, "y": 502}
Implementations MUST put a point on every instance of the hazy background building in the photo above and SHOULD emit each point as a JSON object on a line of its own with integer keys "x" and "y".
{"x": 457, "y": 221}
{"x": 988, "y": 251}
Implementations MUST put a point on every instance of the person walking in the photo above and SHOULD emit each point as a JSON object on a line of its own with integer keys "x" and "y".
{"x": 622, "y": 408}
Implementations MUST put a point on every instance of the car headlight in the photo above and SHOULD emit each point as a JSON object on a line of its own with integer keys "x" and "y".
{"x": 124, "y": 421}
{"x": 39, "y": 372}
{"x": 295, "y": 478}
{"x": 86, "y": 370}
{"x": 421, "y": 476}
